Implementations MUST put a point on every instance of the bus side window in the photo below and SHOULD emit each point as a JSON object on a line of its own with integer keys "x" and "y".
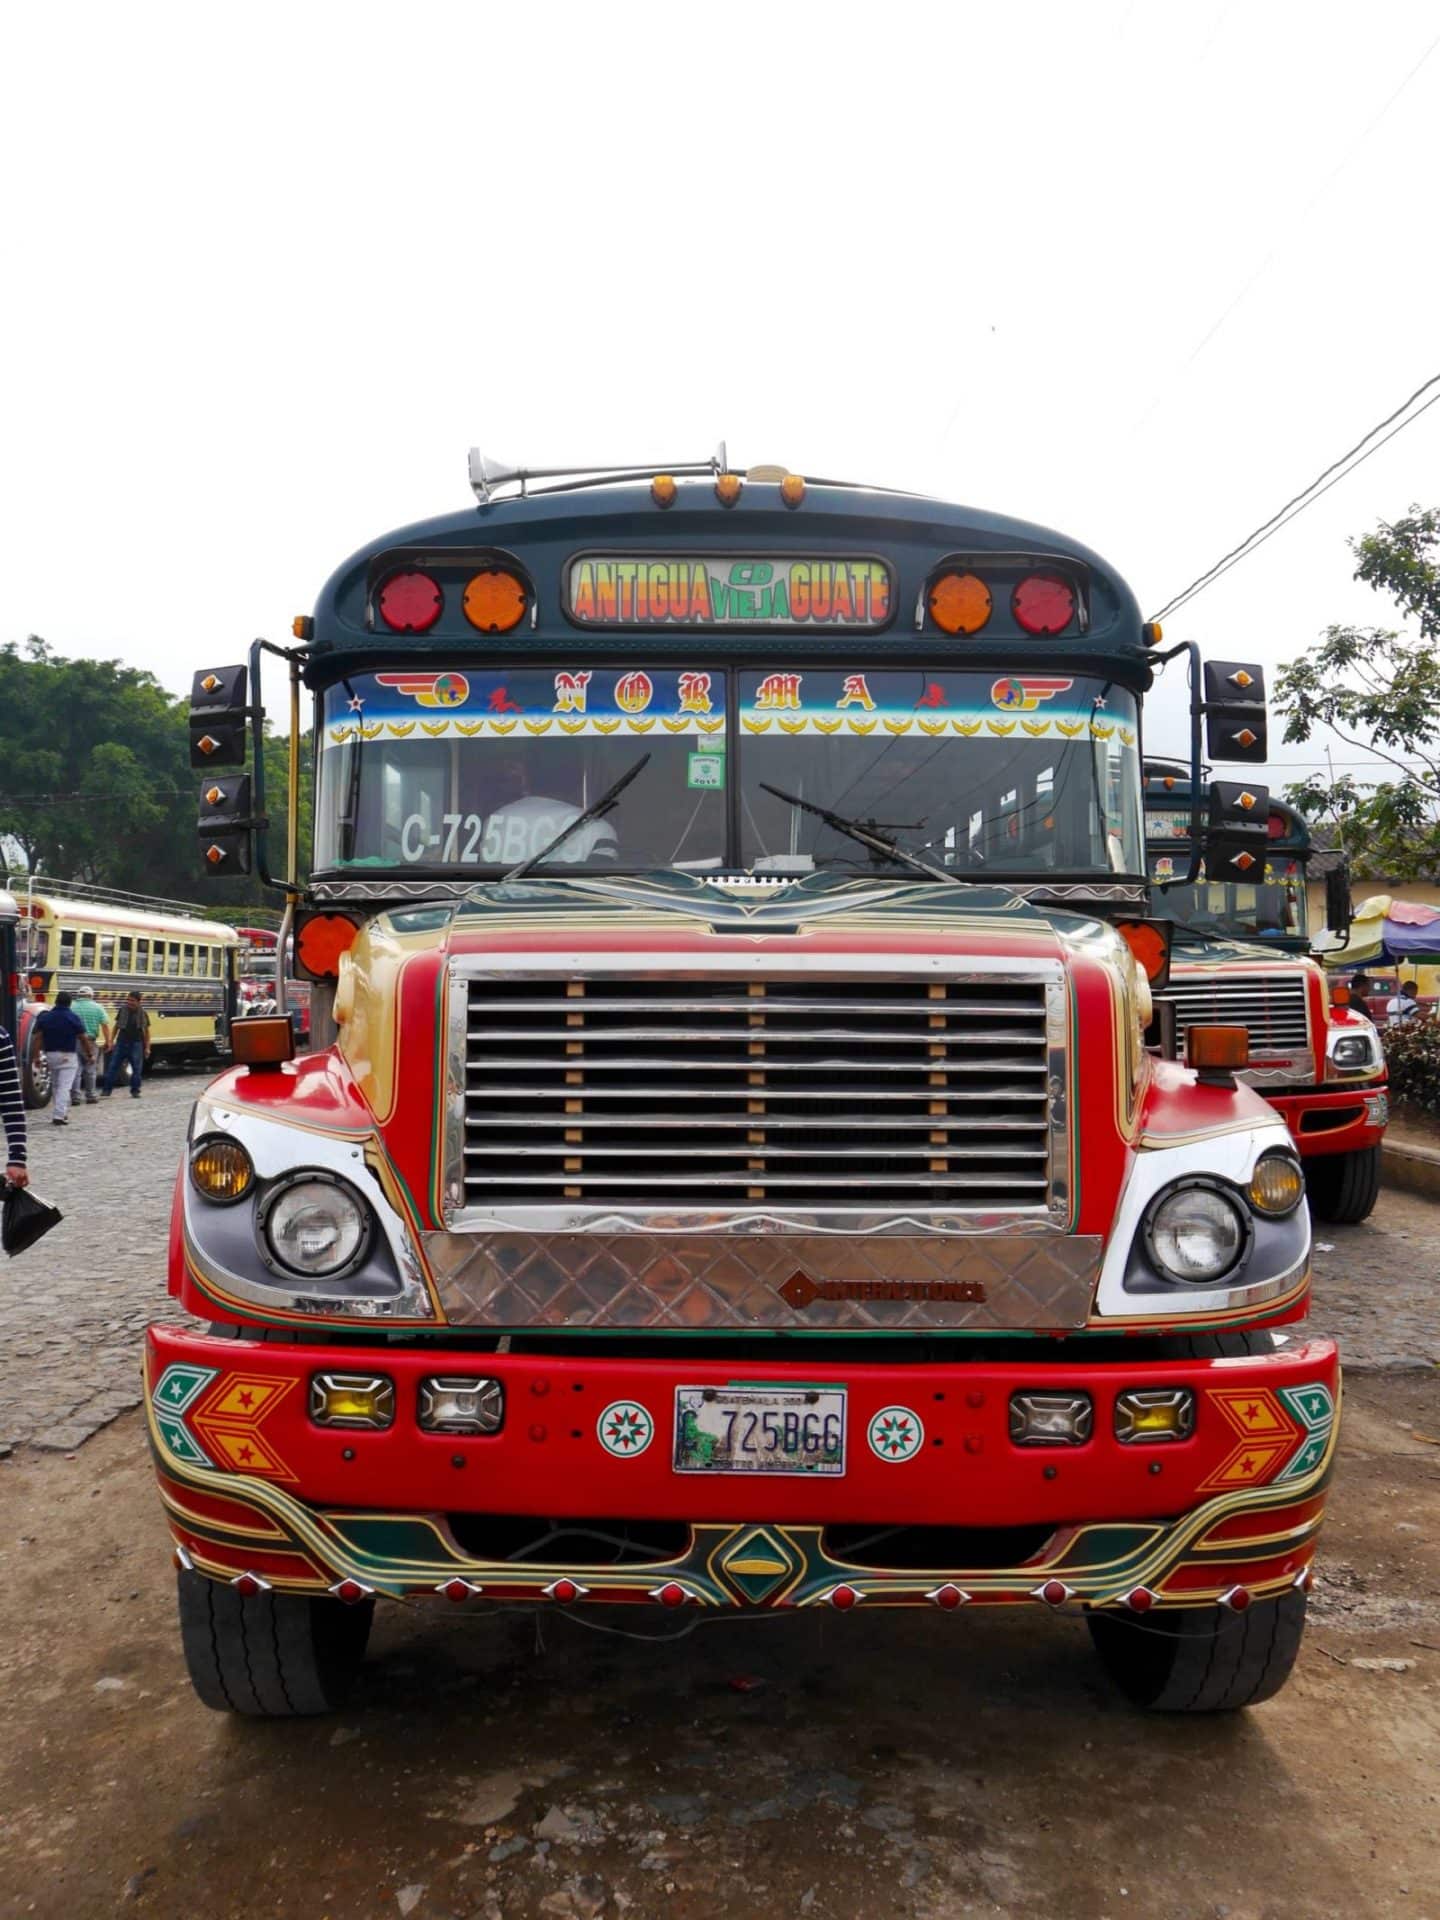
{"x": 217, "y": 963}
{"x": 142, "y": 954}
{"x": 87, "y": 951}
{"x": 187, "y": 964}
{"x": 172, "y": 956}
{"x": 124, "y": 959}
{"x": 67, "y": 946}
{"x": 107, "y": 953}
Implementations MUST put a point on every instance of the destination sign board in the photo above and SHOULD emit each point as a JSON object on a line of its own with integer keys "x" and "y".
{"x": 727, "y": 591}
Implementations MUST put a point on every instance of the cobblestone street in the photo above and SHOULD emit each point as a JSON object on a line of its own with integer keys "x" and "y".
{"x": 72, "y": 1309}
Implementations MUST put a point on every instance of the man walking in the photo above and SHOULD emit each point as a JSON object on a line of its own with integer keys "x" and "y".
{"x": 63, "y": 1038}
{"x": 131, "y": 1045}
{"x": 12, "y": 1113}
{"x": 97, "y": 1028}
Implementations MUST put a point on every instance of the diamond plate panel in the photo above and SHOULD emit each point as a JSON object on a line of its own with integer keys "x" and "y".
{"x": 789, "y": 1280}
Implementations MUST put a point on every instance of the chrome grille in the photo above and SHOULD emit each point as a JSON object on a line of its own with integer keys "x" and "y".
{"x": 821, "y": 1094}
{"x": 1270, "y": 1005}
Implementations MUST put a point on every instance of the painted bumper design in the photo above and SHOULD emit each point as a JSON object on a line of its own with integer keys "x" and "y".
{"x": 1339, "y": 1120}
{"x": 253, "y": 1489}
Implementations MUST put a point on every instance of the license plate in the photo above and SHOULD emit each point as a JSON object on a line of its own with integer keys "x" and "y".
{"x": 760, "y": 1430}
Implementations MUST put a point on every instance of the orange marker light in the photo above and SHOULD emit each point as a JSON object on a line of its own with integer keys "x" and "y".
{"x": 494, "y": 601}
{"x": 321, "y": 942}
{"x": 1149, "y": 941}
{"x": 960, "y": 603}
{"x": 1340, "y": 994}
{"x": 727, "y": 488}
{"x": 1223, "y": 1048}
{"x": 792, "y": 490}
{"x": 262, "y": 1040}
{"x": 663, "y": 490}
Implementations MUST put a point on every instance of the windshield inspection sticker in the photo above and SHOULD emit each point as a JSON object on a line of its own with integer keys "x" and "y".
{"x": 706, "y": 770}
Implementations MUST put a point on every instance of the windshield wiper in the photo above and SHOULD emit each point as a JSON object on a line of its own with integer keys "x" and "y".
{"x": 868, "y": 837}
{"x": 595, "y": 811}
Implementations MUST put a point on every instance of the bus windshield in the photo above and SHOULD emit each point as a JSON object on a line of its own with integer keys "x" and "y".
{"x": 1277, "y": 905}
{"x": 472, "y": 772}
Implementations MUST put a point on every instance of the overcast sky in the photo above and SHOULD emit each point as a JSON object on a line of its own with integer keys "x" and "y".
{"x": 1137, "y": 272}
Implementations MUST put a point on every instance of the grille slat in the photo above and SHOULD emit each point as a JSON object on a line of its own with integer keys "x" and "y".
{"x": 927, "y": 1091}
{"x": 1272, "y": 1006}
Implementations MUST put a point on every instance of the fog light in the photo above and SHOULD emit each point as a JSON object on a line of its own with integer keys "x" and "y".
{"x": 1154, "y": 1413}
{"x": 1050, "y": 1419}
{"x": 1377, "y": 1109}
{"x": 1277, "y": 1185}
{"x": 221, "y": 1169}
{"x": 462, "y": 1406}
{"x": 352, "y": 1400}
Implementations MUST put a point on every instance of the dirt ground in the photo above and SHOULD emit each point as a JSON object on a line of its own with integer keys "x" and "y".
{"x": 925, "y": 1766}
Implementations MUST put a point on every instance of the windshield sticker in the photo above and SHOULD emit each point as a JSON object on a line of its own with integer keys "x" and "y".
{"x": 541, "y": 703}
{"x": 650, "y": 590}
{"x": 884, "y": 702}
{"x": 706, "y": 771}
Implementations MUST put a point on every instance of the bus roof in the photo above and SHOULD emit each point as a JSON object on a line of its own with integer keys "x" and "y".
{"x": 89, "y": 913}
{"x": 539, "y": 535}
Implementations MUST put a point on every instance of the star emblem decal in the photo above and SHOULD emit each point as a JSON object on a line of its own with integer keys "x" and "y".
{"x": 895, "y": 1433}
{"x": 625, "y": 1429}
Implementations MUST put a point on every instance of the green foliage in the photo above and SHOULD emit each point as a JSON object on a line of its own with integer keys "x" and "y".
{"x": 1412, "y": 1053}
{"x": 1379, "y": 690}
{"x": 96, "y": 783}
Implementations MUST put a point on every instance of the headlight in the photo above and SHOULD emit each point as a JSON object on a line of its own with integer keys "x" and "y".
{"x": 315, "y": 1224}
{"x": 1194, "y": 1234}
{"x": 1353, "y": 1050}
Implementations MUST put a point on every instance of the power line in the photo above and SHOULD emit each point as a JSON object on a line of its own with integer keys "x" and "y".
{"x": 1306, "y": 497}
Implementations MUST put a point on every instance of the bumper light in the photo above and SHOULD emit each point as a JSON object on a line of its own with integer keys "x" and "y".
{"x": 1377, "y": 1109}
{"x": 1051, "y": 1419}
{"x": 461, "y": 1406}
{"x": 1277, "y": 1185}
{"x": 1145, "y": 1415}
{"x": 352, "y": 1400}
{"x": 221, "y": 1169}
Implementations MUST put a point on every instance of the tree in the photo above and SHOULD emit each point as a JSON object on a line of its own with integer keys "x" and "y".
{"x": 1379, "y": 690}
{"x": 96, "y": 782}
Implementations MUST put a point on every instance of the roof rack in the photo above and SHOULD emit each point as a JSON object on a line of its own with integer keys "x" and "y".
{"x": 486, "y": 475}
{"x": 23, "y": 883}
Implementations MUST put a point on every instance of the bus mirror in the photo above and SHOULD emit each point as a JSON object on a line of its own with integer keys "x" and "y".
{"x": 1237, "y": 831}
{"x": 225, "y": 823}
{"x": 218, "y": 713}
{"x": 1235, "y": 727}
{"x": 1339, "y": 909}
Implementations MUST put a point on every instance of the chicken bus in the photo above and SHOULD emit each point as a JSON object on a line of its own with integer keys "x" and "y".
{"x": 738, "y": 1165}
{"x": 74, "y": 938}
{"x": 1240, "y": 952}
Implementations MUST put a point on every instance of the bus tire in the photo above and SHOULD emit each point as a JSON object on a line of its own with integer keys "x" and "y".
{"x": 1201, "y": 1659}
{"x": 1343, "y": 1187}
{"x": 270, "y": 1656}
{"x": 35, "y": 1079}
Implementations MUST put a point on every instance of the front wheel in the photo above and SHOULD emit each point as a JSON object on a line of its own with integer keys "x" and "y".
{"x": 1201, "y": 1659}
{"x": 270, "y": 1655}
{"x": 36, "y": 1081}
{"x": 1343, "y": 1187}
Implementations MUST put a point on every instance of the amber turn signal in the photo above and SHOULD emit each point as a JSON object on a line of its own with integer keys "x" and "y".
{"x": 262, "y": 1040}
{"x": 221, "y": 1169}
{"x": 1149, "y": 941}
{"x": 494, "y": 601}
{"x": 960, "y": 603}
{"x": 1223, "y": 1049}
{"x": 322, "y": 939}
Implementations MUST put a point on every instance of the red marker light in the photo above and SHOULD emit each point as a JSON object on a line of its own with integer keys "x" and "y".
{"x": 410, "y": 602}
{"x": 1043, "y": 603}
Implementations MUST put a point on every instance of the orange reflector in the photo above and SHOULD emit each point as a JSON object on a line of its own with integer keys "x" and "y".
{"x": 262, "y": 1040}
{"x": 960, "y": 603}
{"x": 321, "y": 942}
{"x": 792, "y": 490}
{"x": 663, "y": 490}
{"x": 494, "y": 601}
{"x": 1149, "y": 941}
{"x": 1340, "y": 994}
{"x": 727, "y": 488}
{"x": 1227, "y": 1048}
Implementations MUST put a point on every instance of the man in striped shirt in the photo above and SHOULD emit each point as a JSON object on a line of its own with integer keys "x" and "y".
{"x": 12, "y": 1113}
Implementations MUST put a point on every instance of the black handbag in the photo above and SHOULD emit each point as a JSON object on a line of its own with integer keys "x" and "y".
{"x": 24, "y": 1218}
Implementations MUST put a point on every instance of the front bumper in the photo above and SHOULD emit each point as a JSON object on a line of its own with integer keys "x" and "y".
{"x": 1337, "y": 1120}
{"x": 256, "y": 1492}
